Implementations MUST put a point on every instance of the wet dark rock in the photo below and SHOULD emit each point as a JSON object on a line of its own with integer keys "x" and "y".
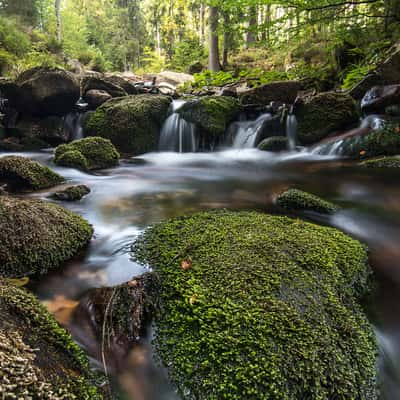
{"x": 95, "y": 98}
{"x": 195, "y": 68}
{"x": 22, "y": 144}
{"x": 380, "y": 97}
{"x": 322, "y": 114}
{"x": 43, "y": 92}
{"x": 274, "y": 144}
{"x": 382, "y": 162}
{"x": 38, "y": 358}
{"x": 132, "y": 123}
{"x": 38, "y": 236}
{"x": 297, "y": 200}
{"x": 124, "y": 83}
{"x": 103, "y": 84}
{"x": 23, "y": 174}
{"x": 71, "y": 193}
{"x": 283, "y": 91}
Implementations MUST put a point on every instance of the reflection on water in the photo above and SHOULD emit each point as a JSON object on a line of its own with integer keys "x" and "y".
{"x": 140, "y": 192}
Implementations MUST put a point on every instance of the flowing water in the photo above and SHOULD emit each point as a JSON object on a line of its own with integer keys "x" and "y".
{"x": 150, "y": 188}
{"x": 246, "y": 133}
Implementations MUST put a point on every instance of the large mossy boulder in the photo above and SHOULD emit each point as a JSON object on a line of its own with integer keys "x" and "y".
{"x": 86, "y": 154}
{"x": 132, "y": 123}
{"x": 38, "y": 236}
{"x": 297, "y": 200}
{"x": 22, "y": 174}
{"x": 320, "y": 115}
{"x": 43, "y": 91}
{"x": 261, "y": 307}
{"x": 281, "y": 91}
{"x": 38, "y": 358}
{"x": 211, "y": 113}
{"x": 382, "y": 162}
{"x": 274, "y": 144}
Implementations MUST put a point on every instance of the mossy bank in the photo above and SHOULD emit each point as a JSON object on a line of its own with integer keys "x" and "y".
{"x": 37, "y": 236}
{"x": 261, "y": 307}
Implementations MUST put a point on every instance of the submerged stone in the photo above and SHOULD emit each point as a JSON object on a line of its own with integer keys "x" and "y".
{"x": 22, "y": 174}
{"x": 132, "y": 123}
{"x": 71, "y": 193}
{"x": 383, "y": 162}
{"x": 87, "y": 154}
{"x": 38, "y": 236}
{"x": 38, "y": 358}
{"x": 255, "y": 306}
{"x": 295, "y": 199}
{"x": 320, "y": 115}
{"x": 274, "y": 144}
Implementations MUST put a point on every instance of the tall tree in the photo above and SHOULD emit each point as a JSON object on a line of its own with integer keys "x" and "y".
{"x": 58, "y": 18}
{"x": 213, "y": 57}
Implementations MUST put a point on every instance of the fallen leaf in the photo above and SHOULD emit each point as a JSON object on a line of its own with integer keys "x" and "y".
{"x": 186, "y": 264}
{"x": 363, "y": 153}
{"x": 192, "y": 300}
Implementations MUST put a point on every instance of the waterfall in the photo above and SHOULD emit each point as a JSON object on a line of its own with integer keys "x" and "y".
{"x": 246, "y": 133}
{"x": 73, "y": 125}
{"x": 177, "y": 134}
{"x": 291, "y": 131}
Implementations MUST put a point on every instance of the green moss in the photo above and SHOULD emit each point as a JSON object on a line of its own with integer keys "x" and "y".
{"x": 274, "y": 143}
{"x": 268, "y": 308}
{"x": 385, "y": 141}
{"x": 38, "y": 358}
{"x": 383, "y": 162}
{"x": 87, "y": 154}
{"x": 320, "y": 115}
{"x": 71, "y": 193}
{"x": 211, "y": 113}
{"x": 294, "y": 199}
{"x": 132, "y": 123}
{"x": 37, "y": 236}
{"x": 21, "y": 173}
{"x": 72, "y": 159}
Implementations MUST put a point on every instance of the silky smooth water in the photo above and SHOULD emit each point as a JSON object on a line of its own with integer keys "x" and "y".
{"x": 145, "y": 190}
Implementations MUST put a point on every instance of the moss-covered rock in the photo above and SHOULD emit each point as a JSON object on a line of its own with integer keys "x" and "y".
{"x": 261, "y": 307}
{"x": 295, "y": 199}
{"x": 71, "y": 193}
{"x": 38, "y": 359}
{"x": 211, "y": 113}
{"x": 132, "y": 123}
{"x": 87, "y": 154}
{"x": 274, "y": 143}
{"x": 320, "y": 115}
{"x": 23, "y": 174}
{"x": 37, "y": 236}
{"x": 383, "y": 162}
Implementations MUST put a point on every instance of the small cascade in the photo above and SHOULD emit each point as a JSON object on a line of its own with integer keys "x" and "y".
{"x": 291, "y": 131}
{"x": 177, "y": 134}
{"x": 73, "y": 125}
{"x": 246, "y": 134}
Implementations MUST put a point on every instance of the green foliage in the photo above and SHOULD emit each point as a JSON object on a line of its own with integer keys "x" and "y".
{"x": 355, "y": 74}
{"x": 186, "y": 52}
{"x": 295, "y": 199}
{"x": 261, "y": 307}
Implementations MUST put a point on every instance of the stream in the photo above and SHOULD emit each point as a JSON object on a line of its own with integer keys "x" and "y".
{"x": 150, "y": 188}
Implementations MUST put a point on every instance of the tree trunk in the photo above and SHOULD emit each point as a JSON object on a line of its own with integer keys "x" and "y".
{"x": 227, "y": 39}
{"x": 213, "y": 58}
{"x": 251, "y": 37}
{"x": 58, "y": 17}
{"x": 202, "y": 32}
{"x": 392, "y": 13}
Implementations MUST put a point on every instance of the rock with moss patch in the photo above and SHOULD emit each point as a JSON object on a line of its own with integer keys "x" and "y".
{"x": 22, "y": 174}
{"x": 38, "y": 358}
{"x": 211, "y": 113}
{"x": 320, "y": 115}
{"x": 274, "y": 144}
{"x": 295, "y": 200}
{"x": 38, "y": 236}
{"x": 383, "y": 162}
{"x": 132, "y": 123}
{"x": 90, "y": 153}
{"x": 261, "y": 307}
{"x": 71, "y": 193}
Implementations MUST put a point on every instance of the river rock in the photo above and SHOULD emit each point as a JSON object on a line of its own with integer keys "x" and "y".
{"x": 86, "y": 154}
{"x": 282, "y": 91}
{"x": 387, "y": 73}
{"x": 297, "y": 200}
{"x": 132, "y": 123}
{"x": 103, "y": 84}
{"x": 382, "y": 162}
{"x": 173, "y": 78}
{"x": 274, "y": 144}
{"x": 71, "y": 193}
{"x": 95, "y": 98}
{"x": 322, "y": 114}
{"x": 38, "y": 236}
{"x": 259, "y": 306}
{"x": 38, "y": 358}
{"x": 380, "y": 97}
{"x": 123, "y": 82}
{"x": 22, "y": 174}
{"x": 43, "y": 92}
